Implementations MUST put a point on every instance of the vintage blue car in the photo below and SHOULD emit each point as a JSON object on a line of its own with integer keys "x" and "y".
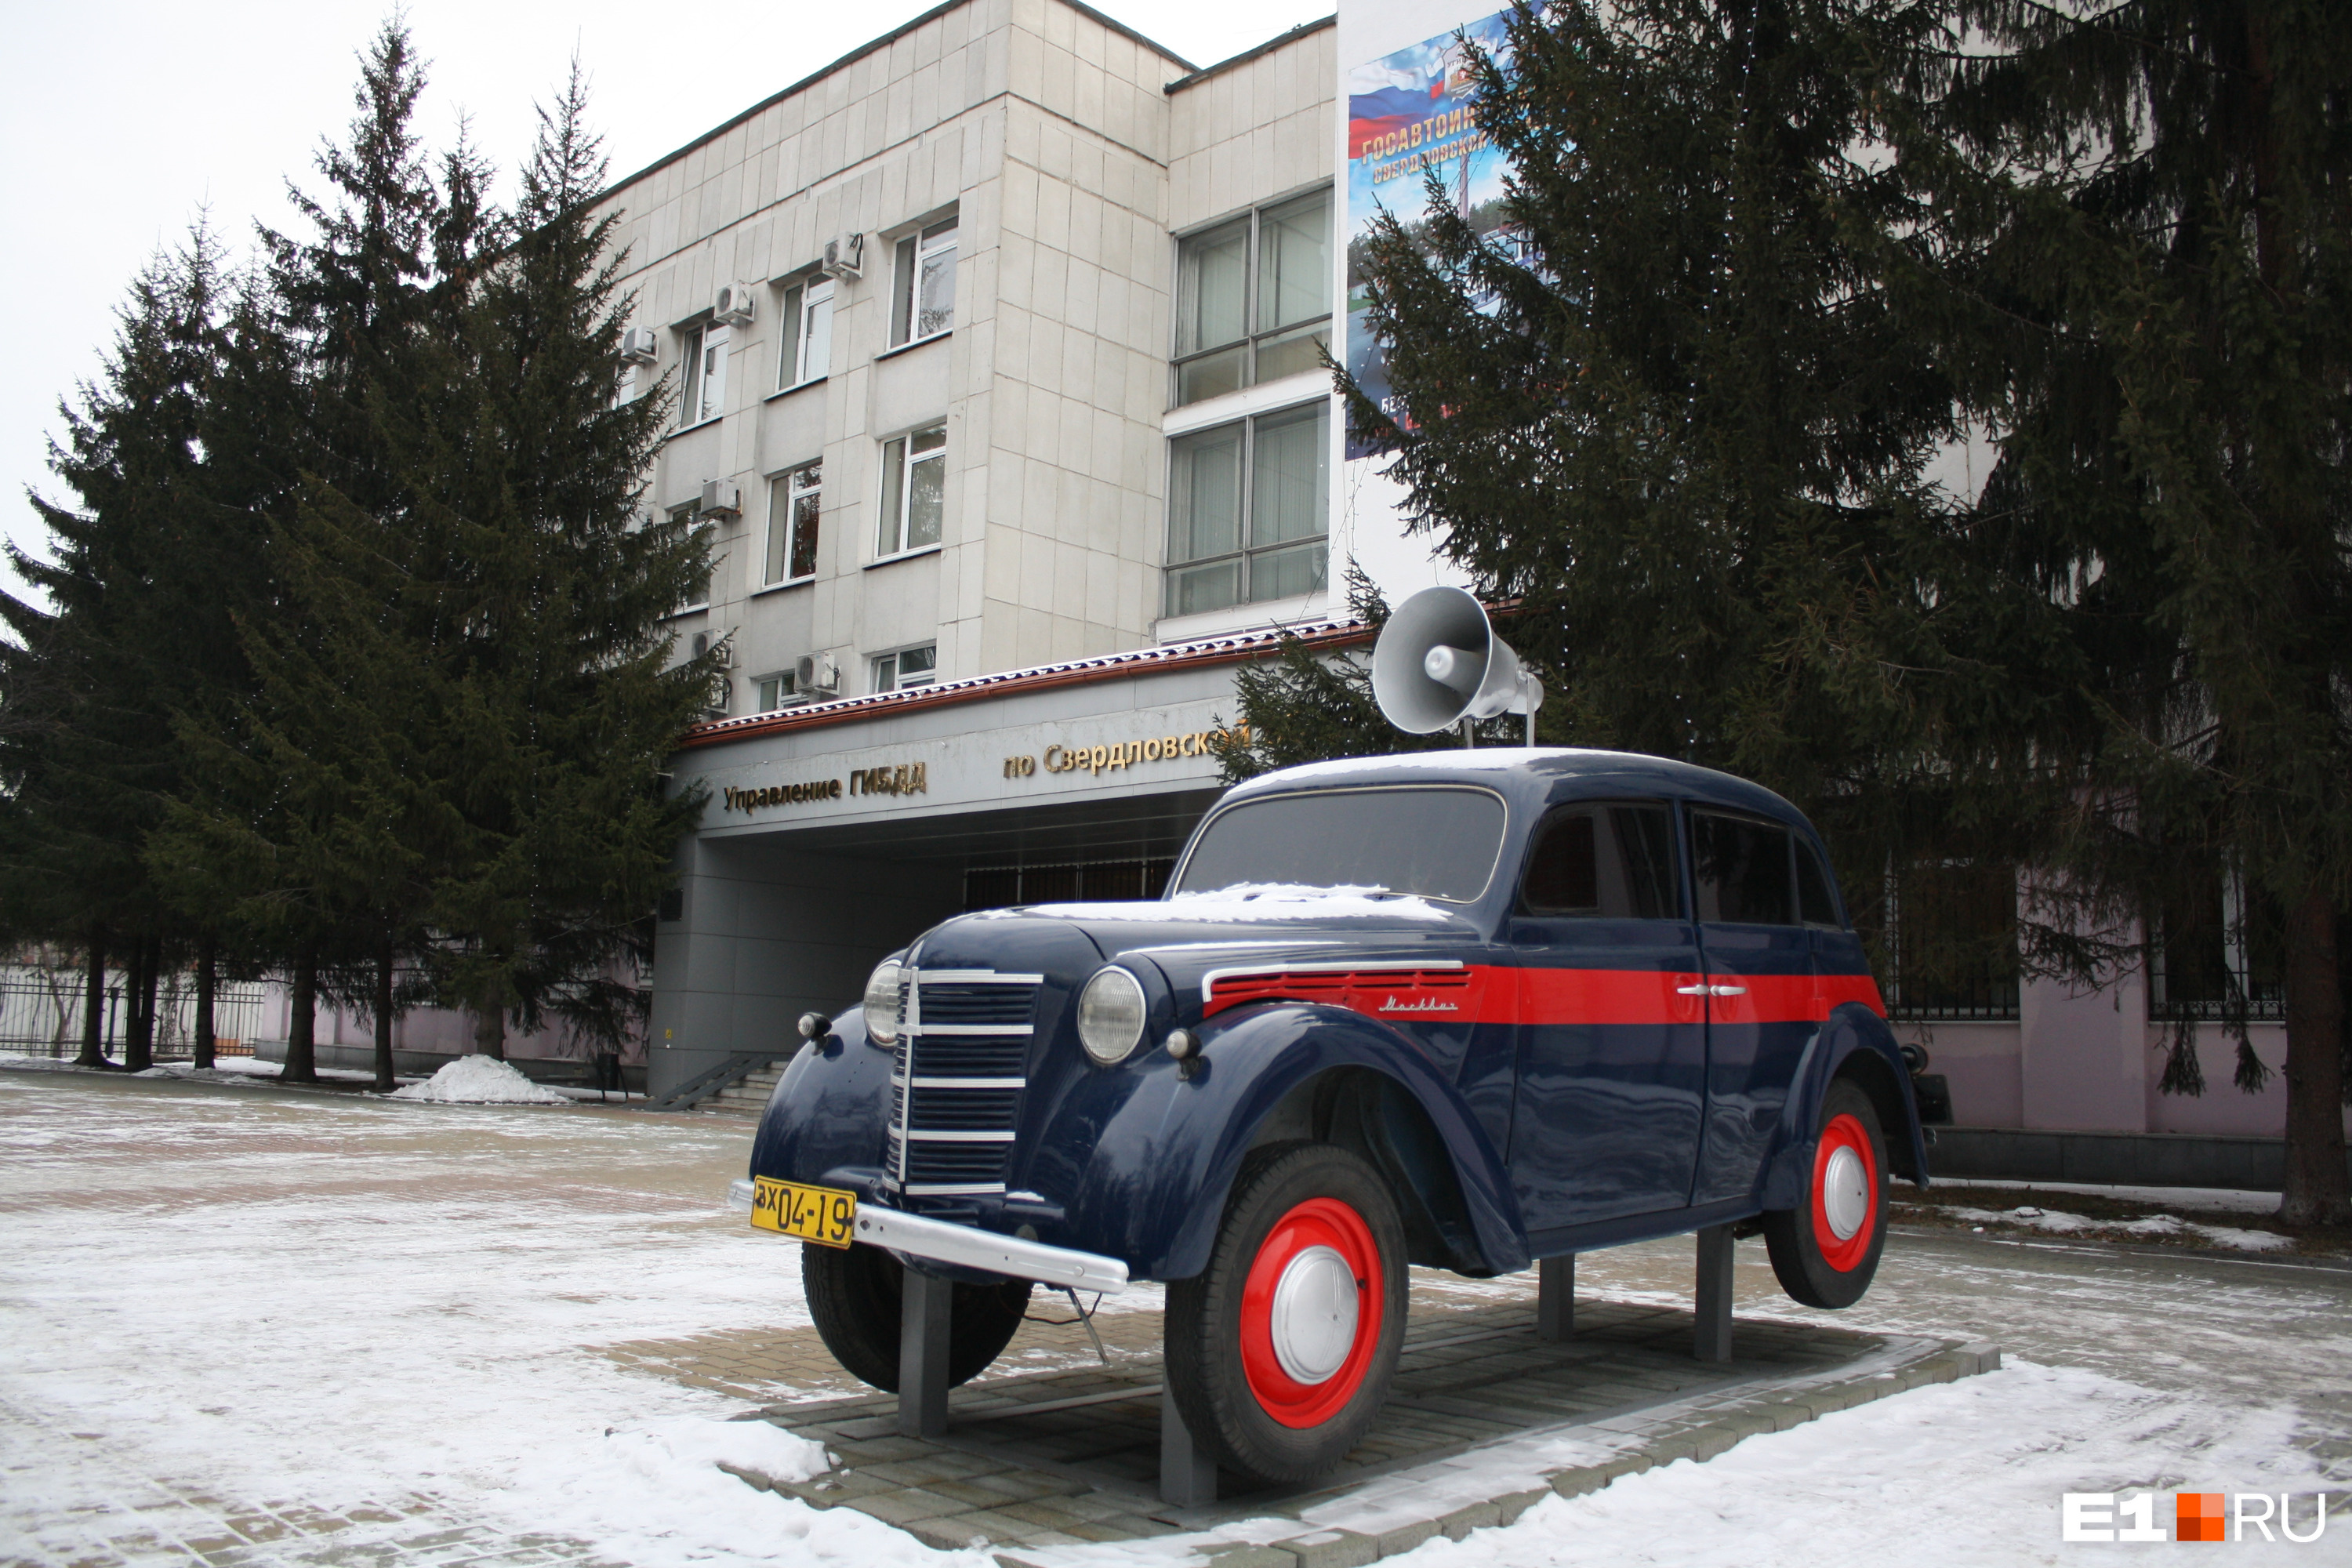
{"x": 1464, "y": 1009}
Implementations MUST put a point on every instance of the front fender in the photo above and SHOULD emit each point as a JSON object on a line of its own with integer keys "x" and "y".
{"x": 1154, "y": 1188}
{"x": 831, "y": 1109}
{"x": 1851, "y": 1030}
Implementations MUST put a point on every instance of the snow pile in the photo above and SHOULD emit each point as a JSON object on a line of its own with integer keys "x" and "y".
{"x": 2155, "y": 1227}
{"x": 479, "y": 1080}
{"x": 657, "y": 1496}
{"x": 1976, "y": 1467}
{"x": 1246, "y": 901}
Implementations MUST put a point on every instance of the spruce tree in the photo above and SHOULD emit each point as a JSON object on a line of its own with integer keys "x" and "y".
{"x": 1668, "y": 401}
{"x": 90, "y": 683}
{"x": 300, "y": 824}
{"x": 2150, "y": 292}
{"x": 556, "y": 705}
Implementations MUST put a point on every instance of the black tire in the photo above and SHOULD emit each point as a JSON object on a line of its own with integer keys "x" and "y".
{"x": 1227, "y": 1391}
{"x": 854, "y": 1292}
{"x": 1817, "y": 1266}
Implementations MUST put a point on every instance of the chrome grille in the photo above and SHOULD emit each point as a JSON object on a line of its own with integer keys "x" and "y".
{"x": 956, "y": 1078}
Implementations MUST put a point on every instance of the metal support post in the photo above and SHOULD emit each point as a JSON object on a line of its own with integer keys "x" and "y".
{"x": 1713, "y": 1339}
{"x": 923, "y": 1356}
{"x": 1188, "y": 1476}
{"x": 1556, "y": 1298}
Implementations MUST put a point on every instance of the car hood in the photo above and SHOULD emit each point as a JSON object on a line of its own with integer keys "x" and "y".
{"x": 1187, "y": 939}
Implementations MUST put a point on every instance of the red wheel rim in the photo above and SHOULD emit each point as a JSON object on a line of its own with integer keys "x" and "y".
{"x": 1845, "y": 1133}
{"x": 1318, "y": 1221}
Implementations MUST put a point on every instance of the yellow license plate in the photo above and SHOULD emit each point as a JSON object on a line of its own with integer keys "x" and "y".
{"x": 823, "y": 1215}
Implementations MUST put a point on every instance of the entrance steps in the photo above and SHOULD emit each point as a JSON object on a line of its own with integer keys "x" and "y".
{"x": 747, "y": 1096}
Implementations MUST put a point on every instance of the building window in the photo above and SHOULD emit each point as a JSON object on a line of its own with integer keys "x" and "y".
{"x": 682, "y": 519}
{"x": 1952, "y": 950}
{"x": 703, "y": 386}
{"x": 922, "y": 301}
{"x": 769, "y": 693}
{"x": 807, "y": 333}
{"x": 1254, "y": 298}
{"x": 794, "y": 505}
{"x": 1247, "y": 505}
{"x": 914, "y": 491}
{"x": 909, "y": 667}
{"x": 2218, "y": 951}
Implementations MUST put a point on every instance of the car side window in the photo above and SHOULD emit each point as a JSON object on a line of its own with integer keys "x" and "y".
{"x": 1814, "y": 903}
{"x": 1743, "y": 870}
{"x": 1602, "y": 862}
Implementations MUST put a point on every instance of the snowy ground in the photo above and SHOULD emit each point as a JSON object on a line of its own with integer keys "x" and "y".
{"x": 214, "y": 1299}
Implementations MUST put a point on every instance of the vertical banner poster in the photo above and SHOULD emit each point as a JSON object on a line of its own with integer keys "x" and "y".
{"x": 1407, "y": 113}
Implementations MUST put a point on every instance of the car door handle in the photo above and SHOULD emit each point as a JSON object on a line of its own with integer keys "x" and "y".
{"x": 1710, "y": 989}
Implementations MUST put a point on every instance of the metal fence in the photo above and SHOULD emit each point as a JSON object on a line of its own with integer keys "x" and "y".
{"x": 41, "y": 1013}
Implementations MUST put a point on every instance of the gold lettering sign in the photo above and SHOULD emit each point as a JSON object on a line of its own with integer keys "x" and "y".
{"x": 900, "y": 779}
{"x": 906, "y": 778}
{"x": 782, "y": 795}
{"x": 1118, "y": 754}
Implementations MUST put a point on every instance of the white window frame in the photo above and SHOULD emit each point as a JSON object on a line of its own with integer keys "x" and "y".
{"x": 703, "y": 351}
{"x": 918, "y": 254}
{"x": 772, "y": 693}
{"x": 687, "y": 517}
{"x": 888, "y": 670}
{"x": 806, "y": 299}
{"x": 900, "y": 456}
{"x": 785, "y": 491}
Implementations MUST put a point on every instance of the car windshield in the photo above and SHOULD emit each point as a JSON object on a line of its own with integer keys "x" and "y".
{"x": 1430, "y": 843}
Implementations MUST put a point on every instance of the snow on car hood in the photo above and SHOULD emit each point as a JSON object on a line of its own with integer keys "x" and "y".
{"x": 1249, "y": 903}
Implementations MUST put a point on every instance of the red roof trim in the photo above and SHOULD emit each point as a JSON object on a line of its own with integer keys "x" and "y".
{"x": 1320, "y": 636}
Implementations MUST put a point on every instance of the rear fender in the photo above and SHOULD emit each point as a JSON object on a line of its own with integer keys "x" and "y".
{"x": 1155, "y": 1187}
{"x": 1856, "y": 1044}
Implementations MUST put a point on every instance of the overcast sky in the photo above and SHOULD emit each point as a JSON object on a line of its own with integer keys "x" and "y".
{"x": 123, "y": 121}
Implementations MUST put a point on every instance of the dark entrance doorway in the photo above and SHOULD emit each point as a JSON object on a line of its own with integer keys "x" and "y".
{"x": 1090, "y": 881}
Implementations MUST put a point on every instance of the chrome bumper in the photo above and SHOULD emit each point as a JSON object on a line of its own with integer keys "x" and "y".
{"x": 970, "y": 1247}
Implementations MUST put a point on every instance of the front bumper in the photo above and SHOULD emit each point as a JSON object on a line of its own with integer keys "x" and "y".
{"x": 968, "y": 1247}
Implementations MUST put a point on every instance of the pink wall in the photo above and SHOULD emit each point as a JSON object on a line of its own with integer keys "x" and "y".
{"x": 1980, "y": 1062}
{"x": 2083, "y": 1062}
{"x": 425, "y": 1029}
{"x": 2092, "y": 1063}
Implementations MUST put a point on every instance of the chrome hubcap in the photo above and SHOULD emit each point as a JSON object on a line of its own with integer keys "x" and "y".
{"x": 1845, "y": 1193}
{"x": 1314, "y": 1315}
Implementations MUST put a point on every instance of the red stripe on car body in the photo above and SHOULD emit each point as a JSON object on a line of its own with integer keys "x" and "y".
{"x": 1502, "y": 994}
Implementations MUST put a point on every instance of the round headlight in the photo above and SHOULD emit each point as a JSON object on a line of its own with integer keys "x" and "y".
{"x": 882, "y": 1002}
{"x": 1111, "y": 1015}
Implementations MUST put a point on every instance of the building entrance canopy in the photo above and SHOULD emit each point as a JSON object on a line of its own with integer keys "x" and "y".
{"x": 835, "y": 833}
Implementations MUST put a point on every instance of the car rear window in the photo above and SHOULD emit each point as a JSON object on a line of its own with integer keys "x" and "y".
{"x": 1432, "y": 843}
{"x": 1743, "y": 870}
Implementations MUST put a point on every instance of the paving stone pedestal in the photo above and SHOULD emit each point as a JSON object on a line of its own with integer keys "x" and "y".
{"x": 1485, "y": 1418}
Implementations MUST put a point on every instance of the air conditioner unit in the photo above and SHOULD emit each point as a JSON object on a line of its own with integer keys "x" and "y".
{"x": 734, "y": 302}
{"x": 639, "y": 346}
{"x": 723, "y": 643}
{"x": 817, "y": 673}
{"x": 722, "y": 692}
{"x": 722, "y": 498}
{"x": 844, "y": 254}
